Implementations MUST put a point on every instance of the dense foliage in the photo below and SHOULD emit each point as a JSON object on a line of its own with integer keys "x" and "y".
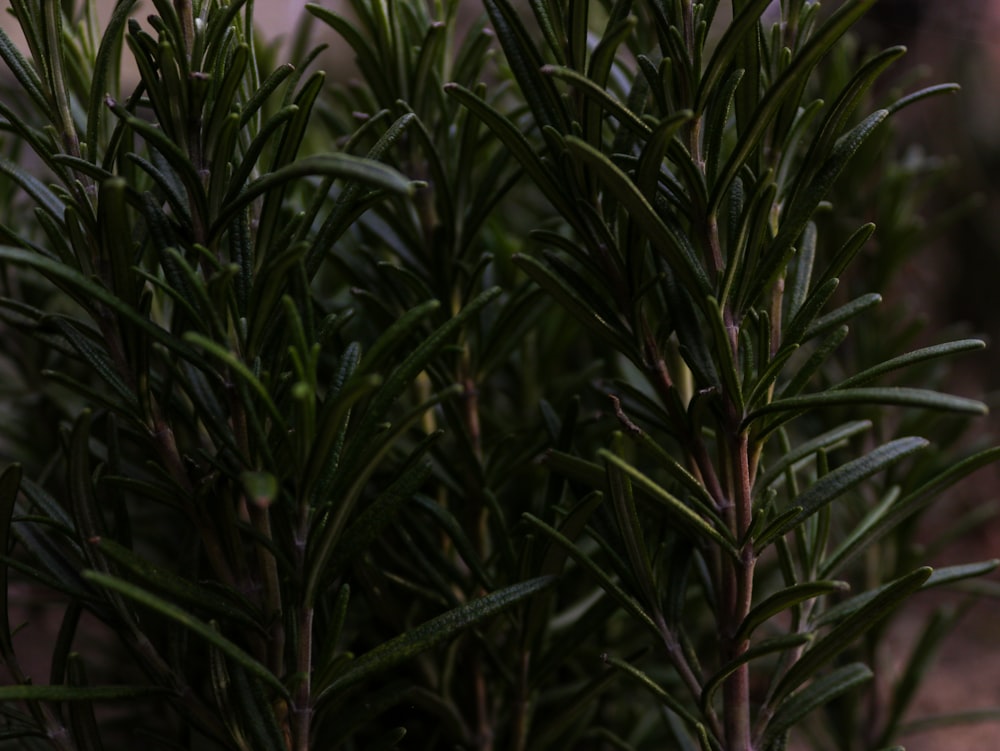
{"x": 502, "y": 398}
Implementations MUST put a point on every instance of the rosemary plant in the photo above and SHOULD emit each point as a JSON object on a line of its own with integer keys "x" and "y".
{"x": 502, "y": 398}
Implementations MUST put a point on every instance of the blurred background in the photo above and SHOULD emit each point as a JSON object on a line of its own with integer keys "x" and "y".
{"x": 274, "y": 17}
{"x": 953, "y": 279}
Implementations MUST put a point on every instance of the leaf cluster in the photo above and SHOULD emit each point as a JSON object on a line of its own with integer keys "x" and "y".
{"x": 507, "y": 398}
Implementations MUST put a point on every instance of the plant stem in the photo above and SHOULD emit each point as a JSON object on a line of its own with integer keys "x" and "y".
{"x": 788, "y": 659}
{"x": 166, "y": 448}
{"x": 519, "y": 734}
{"x": 679, "y": 660}
{"x": 735, "y": 605}
{"x": 302, "y": 708}
{"x": 260, "y": 519}
{"x": 659, "y": 378}
{"x": 484, "y": 740}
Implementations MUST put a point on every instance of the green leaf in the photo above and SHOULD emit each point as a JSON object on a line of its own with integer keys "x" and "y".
{"x": 804, "y": 374}
{"x": 750, "y": 229}
{"x": 783, "y": 643}
{"x": 352, "y": 202}
{"x": 115, "y": 238}
{"x": 699, "y": 495}
{"x": 401, "y": 378}
{"x": 715, "y": 128}
{"x": 93, "y": 354}
{"x": 255, "y": 710}
{"x": 625, "y": 117}
{"x": 835, "y": 483}
{"x": 377, "y": 74}
{"x": 903, "y": 397}
{"x": 88, "y": 520}
{"x": 238, "y": 368}
{"x": 25, "y": 74}
{"x": 172, "y": 152}
{"x": 562, "y": 728}
{"x": 912, "y": 358}
{"x": 575, "y": 468}
{"x": 458, "y": 536}
{"x": 776, "y": 96}
{"x": 174, "y": 586}
{"x": 285, "y": 155}
{"x": 859, "y": 533}
{"x": 615, "y": 592}
{"x": 195, "y": 625}
{"x": 362, "y": 458}
{"x": 85, "y": 289}
{"x": 916, "y": 500}
{"x": 46, "y": 199}
{"x": 804, "y": 203}
{"x": 742, "y": 26}
{"x": 574, "y": 625}
{"x": 662, "y": 237}
{"x": 59, "y": 557}
{"x": 782, "y": 600}
{"x": 761, "y": 389}
{"x": 680, "y": 512}
{"x": 847, "y": 630}
{"x": 381, "y": 512}
{"x": 569, "y": 298}
{"x": 226, "y": 94}
{"x": 794, "y": 333}
{"x": 952, "y": 574}
{"x": 841, "y": 315}
{"x": 917, "y": 96}
{"x": 392, "y": 339}
{"x": 331, "y": 428}
{"x": 843, "y": 257}
{"x": 845, "y": 105}
{"x": 653, "y": 153}
{"x": 630, "y": 530}
{"x": 251, "y": 154}
{"x": 665, "y": 697}
{"x": 419, "y": 638}
{"x": 526, "y": 62}
{"x": 253, "y": 105}
{"x": 591, "y": 289}
{"x": 819, "y": 693}
{"x": 104, "y": 64}
{"x": 374, "y": 174}
{"x": 519, "y": 315}
{"x": 940, "y": 577}
{"x": 514, "y": 140}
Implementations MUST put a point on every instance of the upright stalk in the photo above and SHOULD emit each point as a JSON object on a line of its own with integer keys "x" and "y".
{"x": 485, "y": 736}
{"x": 738, "y": 592}
{"x": 301, "y": 710}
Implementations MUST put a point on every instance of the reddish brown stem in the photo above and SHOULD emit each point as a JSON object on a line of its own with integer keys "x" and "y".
{"x": 738, "y": 591}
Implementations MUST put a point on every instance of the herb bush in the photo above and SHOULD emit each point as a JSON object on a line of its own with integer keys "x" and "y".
{"x": 501, "y": 398}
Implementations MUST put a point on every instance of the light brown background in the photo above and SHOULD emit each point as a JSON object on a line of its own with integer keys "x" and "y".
{"x": 274, "y": 17}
